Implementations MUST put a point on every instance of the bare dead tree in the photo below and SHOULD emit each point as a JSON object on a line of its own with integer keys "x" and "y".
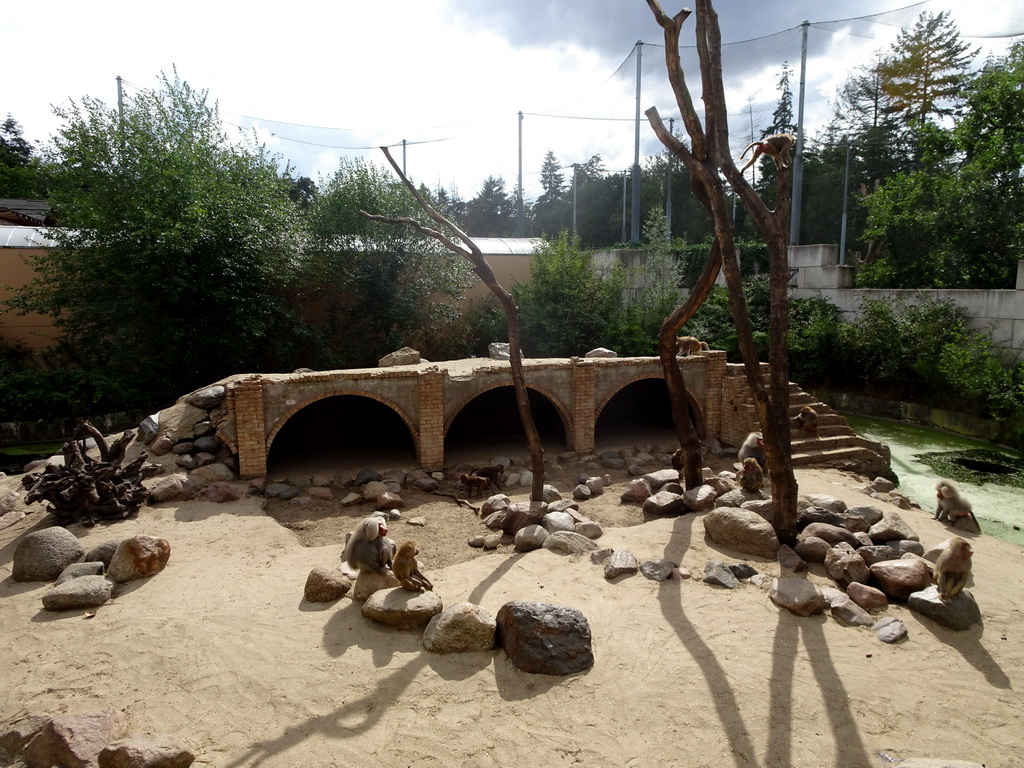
{"x": 706, "y": 157}
{"x": 462, "y": 244}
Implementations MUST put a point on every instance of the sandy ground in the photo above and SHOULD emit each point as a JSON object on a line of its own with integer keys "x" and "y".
{"x": 222, "y": 650}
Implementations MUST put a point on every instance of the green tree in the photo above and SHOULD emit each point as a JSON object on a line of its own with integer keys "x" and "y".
{"x": 551, "y": 211}
{"x": 492, "y": 213}
{"x": 21, "y": 172}
{"x": 176, "y": 243}
{"x": 926, "y": 69}
{"x": 567, "y": 307}
{"x": 372, "y": 288}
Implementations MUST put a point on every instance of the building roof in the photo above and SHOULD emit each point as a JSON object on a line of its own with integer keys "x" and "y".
{"x": 507, "y": 245}
{"x": 24, "y": 237}
{"x": 29, "y": 213}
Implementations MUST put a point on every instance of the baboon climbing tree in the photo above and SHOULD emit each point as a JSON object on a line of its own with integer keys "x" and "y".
{"x": 708, "y": 159}
{"x": 457, "y": 241}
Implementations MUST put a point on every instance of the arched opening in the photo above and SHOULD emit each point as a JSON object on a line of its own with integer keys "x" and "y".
{"x": 489, "y": 425}
{"x": 342, "y": 432}
{"x": 640, "y": 412}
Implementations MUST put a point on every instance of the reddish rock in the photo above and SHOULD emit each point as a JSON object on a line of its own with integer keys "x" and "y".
{"x": 138, "y": 557}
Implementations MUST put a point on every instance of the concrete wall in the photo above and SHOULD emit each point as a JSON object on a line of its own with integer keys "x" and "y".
{"x": 32, "y": 330}
{"x": 996, "y": 313}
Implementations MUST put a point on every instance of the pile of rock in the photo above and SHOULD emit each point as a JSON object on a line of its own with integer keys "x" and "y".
{"x": 85, "y": 579}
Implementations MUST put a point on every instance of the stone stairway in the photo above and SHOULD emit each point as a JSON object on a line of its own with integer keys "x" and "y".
{"x": 835, "y": 444}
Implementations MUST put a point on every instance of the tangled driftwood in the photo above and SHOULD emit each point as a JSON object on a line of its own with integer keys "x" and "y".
{"x": 84, "y": 489}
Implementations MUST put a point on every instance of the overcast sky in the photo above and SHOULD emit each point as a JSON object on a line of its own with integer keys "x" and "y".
{"x": 321, "y": 81}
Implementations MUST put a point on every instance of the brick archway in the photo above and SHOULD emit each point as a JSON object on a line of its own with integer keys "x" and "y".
{"x": 559, "y": 409}
{"x": 413, "y": 431}
{"x": 691, "y": 401}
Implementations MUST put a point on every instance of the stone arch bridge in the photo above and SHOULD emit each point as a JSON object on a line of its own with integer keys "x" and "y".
{"x": 428, "y": 397}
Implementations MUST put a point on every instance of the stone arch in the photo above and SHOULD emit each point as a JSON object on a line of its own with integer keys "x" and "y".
{"x": 563, "y": 414}
{"x": 699, "y": 421}
{"x": 413, "y": 430}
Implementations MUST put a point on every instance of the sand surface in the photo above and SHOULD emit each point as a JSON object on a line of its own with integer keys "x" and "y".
{"x": 222, "y": 650}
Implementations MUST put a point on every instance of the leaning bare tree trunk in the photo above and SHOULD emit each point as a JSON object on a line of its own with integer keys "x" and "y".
{"x": 467, "y": 248}
{"x": 707, "y": 154}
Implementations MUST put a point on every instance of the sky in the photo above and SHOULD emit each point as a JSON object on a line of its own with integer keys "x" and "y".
{"x": 317, "y": 82}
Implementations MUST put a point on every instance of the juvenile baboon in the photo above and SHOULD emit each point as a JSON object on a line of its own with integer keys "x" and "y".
{"x": 407, "y": 568}
{"x": 954, "y": 508}
{"x": 807, "y": 419}
{"x": 776, "y": 147}
{"x": 753, "y": 447}
{"x": 689, "y": 345}
{"x": 368, "y": 548}
{"x": 493, "y": 472}
{"x": 474, "y": 483}
{"x": 750, "y": 476}
{"x": 679, "y": 461}
{"x": 953, "y": 568}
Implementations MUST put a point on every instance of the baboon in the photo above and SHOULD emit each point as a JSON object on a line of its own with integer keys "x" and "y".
{"x": 689, "y": 345}
{"x": 776, "y": 147}
{"x": 954, "y": 508}
{"x": 474, "y": 483}
{"x": 807, "y": 419}
{"x": 407, "y": 568}
{"x": 753, "y": 447}
{"x": 953, "y": 568}
{"x": 493, "y": 473}
{"x": 750, "y": 476}
{"x": 679, "y": 461}
{"x": 368, "y": 548}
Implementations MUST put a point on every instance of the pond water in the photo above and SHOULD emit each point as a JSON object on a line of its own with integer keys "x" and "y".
{"x": 995, "y": 493}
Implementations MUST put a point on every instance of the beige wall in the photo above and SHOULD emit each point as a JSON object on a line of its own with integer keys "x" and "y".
{"x": 509, "y": 268}
{"x": 34, "y": 331}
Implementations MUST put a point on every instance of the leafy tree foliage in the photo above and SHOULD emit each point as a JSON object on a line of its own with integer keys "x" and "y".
{"x": 567, "y": 307}
{"x": 926, "y": 69}
{"x": 21, "y": 173}
{"x": 492, "y": 213}
{"x": 956, "y": 222}
{"x": 175, "y": 245}
{"x": 552, "y": 210}
{"x": 371, "y": 288}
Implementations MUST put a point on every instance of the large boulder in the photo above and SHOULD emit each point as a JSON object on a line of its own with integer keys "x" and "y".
{"x": 742, "y": 530}
{"x": 462, "y": 628}
{"x": 83, "y": 592}
{"x": 899, "y": 579}
{"x": 138, "y": 557}
{"x": 545, "y": 639}
{"x": 401, "y": 608}
{"x": 42, "y": 555}
{"x": 74, "y": 740}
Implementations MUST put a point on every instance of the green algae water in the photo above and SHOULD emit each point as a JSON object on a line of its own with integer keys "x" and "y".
{"x": 991, "y": 477}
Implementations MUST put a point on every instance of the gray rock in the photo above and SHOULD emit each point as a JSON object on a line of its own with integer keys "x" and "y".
{"x": 83, "y": 592}
{"x": 542, "y": 638}
{"x": 848, "y": 612}
{"x": 876, "y": 553}
{"x": 530, "y": 538}
{"x": 214, "y": 472}
{"x": 601, "y": 352}
{"x": 403, "y": 356}
{"x": 558, "y": 521}
{"x": 790, "y": 560}
{"x": 282, "y": 491}
{"x": 960, "y": 613}
{"x": 891, "y": 527}
{"x": 207, "y": 443}
{"x": 589, "y": 528}
{"x": 797, "y": 595}
{"x": 846, "y": 568}
{"x": 367, "y": 476}
{"x": 829, "y": 503}
{"x": 324, "y": 585}
{"x": 700, "y": 499}
{"x": 742, "y": 530}
{"x": 187, "y": 462}
{"x": 149, "y": 429}
{"x": 207, "y": 398}
{"x": 151, "y": 750}
{"x": 833, "y": 534}
{"x": 401, "y": 608}
{"x": 716, "y": 573}
{"x": 550, "y": 494}
{"x": 499, "y": 350}
{"x": 870, "y": 515}
{"x": 176, "y": 487}
{"x": 890, "y": 630}
{"x": 742, "y": 570}
{"x": 569, "y": 543}
{"x": 658, "y": 570}
{"x": 103, "y": 553}
{"x": 882, "y": 485}
{"x": 621, "y": 563}
{"x": 42, "y": 555}
{"x": 665, "y": 503}
{"x": 636, "y": 492}
{"x": 811, "y": 548}
{"x": 461, "y": 628}
{"x": 77, "y": 570}
{"x": 735, "y": 498}
{"x": 657, "y": 479}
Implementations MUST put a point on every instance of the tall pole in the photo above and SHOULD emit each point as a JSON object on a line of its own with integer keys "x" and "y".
{"x": 846, "y": 195}
{"x": 635, "y": 218}
{"x": 625, "y": 179}
{"x": 574, "y": 167}
{"x": 120, "y": 100}
{"x": 668, "y": 197}
{"x": 798, "y": 163}
{"x": 519, "y": 194}
{"x": 403, "y": 158}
